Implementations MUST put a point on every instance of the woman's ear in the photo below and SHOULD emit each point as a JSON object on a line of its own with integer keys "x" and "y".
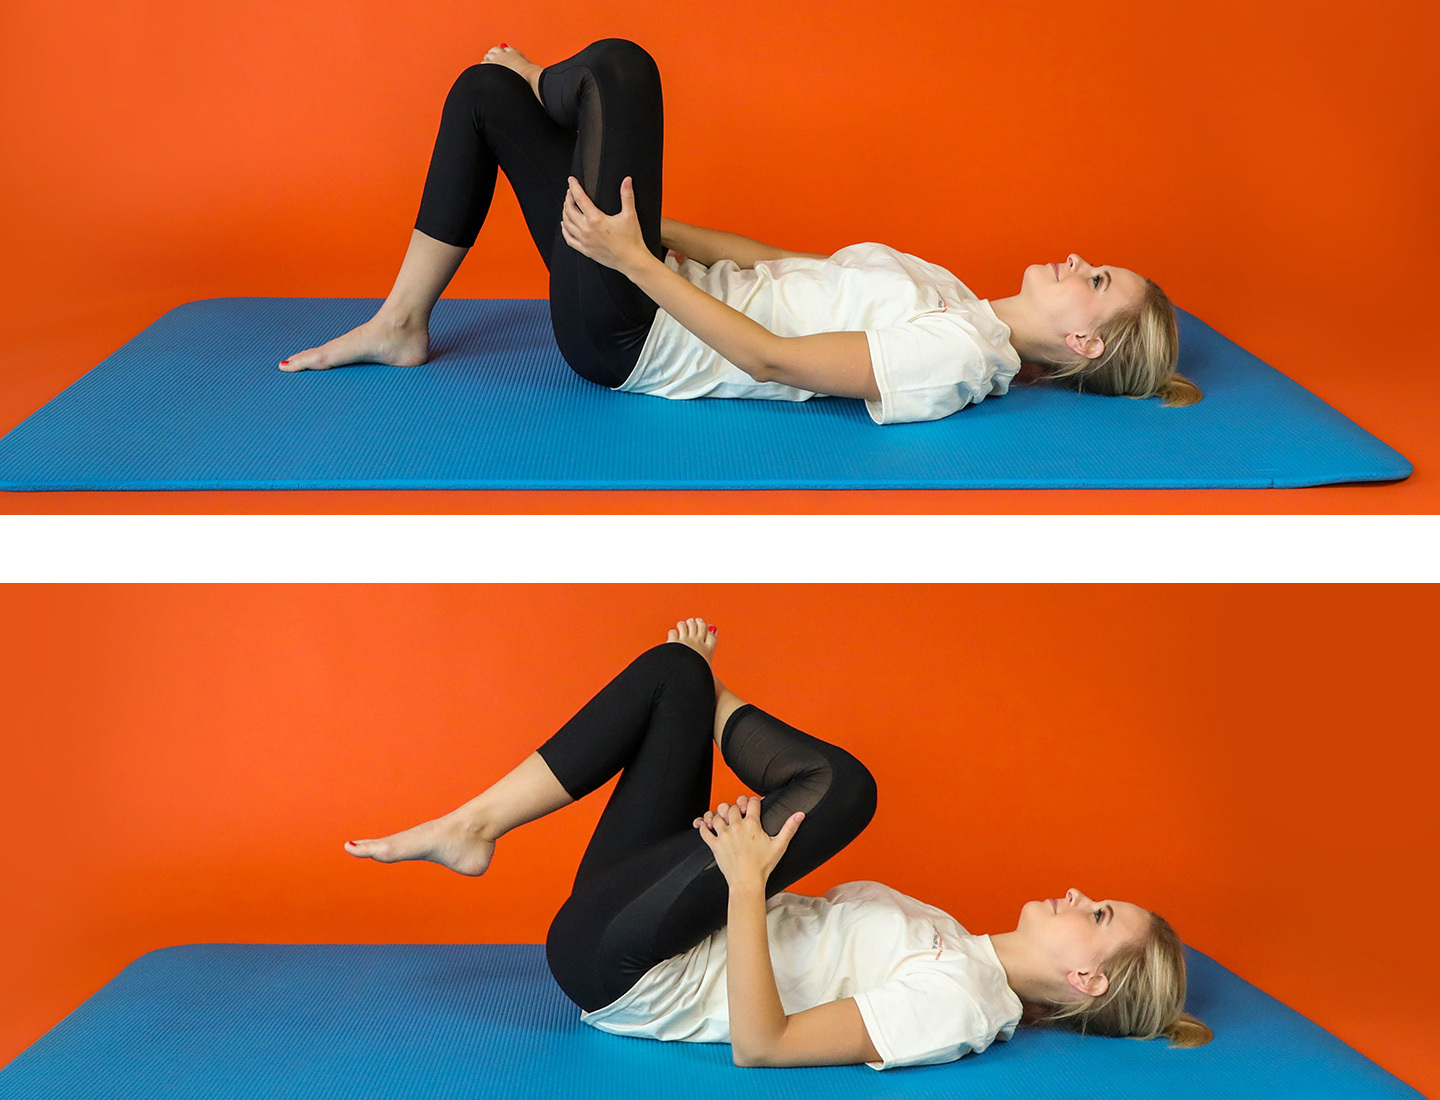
{"x": 1088, "y": 345}
{"x": 1089, "y": 982}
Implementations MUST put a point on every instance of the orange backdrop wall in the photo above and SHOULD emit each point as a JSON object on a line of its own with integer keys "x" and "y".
{"x": 183, "y": 764}
{"x": 1272, "y": 164}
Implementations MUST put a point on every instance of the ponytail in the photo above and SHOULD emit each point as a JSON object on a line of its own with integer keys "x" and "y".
{"x": 1187, "y": 1031}
{"x": 1178, "y": 391}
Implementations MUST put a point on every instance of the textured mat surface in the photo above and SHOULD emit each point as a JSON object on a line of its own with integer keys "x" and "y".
{"x": 227, "y": 1021}
{"x": 196, "y": 402}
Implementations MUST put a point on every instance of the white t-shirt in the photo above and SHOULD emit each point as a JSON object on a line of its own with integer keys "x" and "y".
{"x": 927, "y": 990}
{"x": 935, "y": 347}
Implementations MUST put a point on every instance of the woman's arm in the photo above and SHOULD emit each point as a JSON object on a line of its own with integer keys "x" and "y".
{"x": 836, "y": 363}
{"x": 760, "y": 1033}
{"x": 706, "y": 246}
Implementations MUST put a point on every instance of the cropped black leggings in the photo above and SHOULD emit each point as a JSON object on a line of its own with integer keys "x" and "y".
{"x": 648, "y": 886}
{"x": 602, "y": 120}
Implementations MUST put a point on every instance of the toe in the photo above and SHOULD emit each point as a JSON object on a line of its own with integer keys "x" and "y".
{"x": 673, "y": 636}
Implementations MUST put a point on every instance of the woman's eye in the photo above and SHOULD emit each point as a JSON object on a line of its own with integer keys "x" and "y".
{"x": 1099, "y": 916}
{"x": 1096, "y": 280}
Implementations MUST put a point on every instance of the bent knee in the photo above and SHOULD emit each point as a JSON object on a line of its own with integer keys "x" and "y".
{"x": 481, "y": 81}
{"x": 620, "y": 61}
{"x": 854, "y": 785}
{"x": 675, "y": 662}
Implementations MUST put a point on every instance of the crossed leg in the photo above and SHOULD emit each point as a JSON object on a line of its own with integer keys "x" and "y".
{"x": 648, "y": 887}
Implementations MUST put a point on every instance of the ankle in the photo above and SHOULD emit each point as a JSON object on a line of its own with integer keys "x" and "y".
{"x": 403, "y": 318}
{"x": 478, "y": 821}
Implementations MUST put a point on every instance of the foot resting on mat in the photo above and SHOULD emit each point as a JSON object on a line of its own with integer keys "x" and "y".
{"x": 385, "y": 338}
{"x": 453, "y": 841}
{"x": 512, "y": 58}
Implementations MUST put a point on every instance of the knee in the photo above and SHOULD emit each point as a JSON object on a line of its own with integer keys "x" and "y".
{"x": 486, "y": 82}
{"x": 620, "y": 60}
{"x": 673, "y": 662}
{"x": 854, "y": 786}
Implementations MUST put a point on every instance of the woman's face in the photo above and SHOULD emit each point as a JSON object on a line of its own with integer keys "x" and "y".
{"x": 1076, "y": 298}
{"x": 1075, "y": 934}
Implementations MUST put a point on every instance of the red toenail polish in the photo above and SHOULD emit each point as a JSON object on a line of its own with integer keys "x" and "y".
{"x": 712, "y": 630}
{"x": 284, "y": 362}
{"x": 503, "y": 46}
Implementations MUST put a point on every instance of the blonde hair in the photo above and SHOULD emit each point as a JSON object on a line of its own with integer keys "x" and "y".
{"x": 1145, "y": 998}
{"x": 1142, "y": 347}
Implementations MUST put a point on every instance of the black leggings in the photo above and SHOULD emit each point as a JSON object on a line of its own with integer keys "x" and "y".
{"x": 602, "y": 121}
{"x": 648, "y": 887}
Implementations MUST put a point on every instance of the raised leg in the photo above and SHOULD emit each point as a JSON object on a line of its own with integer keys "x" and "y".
{"x": 610, "y": 95}
{"x": 464, "y": 839}
{"x": 627, "y": 914}
{"x": 653, "y": 721}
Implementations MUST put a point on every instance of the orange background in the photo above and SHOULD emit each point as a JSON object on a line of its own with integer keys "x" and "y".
{"x": 1272, "y": 165}
{"x": 184, "y": 764}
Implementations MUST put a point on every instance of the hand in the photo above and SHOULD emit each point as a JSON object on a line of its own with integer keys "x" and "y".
{"x": 743, "y": 850}
{"x": 614, "y": 241}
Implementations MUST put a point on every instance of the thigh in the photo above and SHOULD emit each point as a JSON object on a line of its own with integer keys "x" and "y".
{"x": 610, "y": 92}
{"x": 656, "y": 720}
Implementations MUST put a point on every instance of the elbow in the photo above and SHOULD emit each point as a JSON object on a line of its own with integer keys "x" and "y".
{"x": 749, "y": 1057}
{"x": 768, "y": 365}
{"x": 761, "y": 371}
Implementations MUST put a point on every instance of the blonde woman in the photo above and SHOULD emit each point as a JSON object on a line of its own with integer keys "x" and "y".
{"x": 644, "y": 304}
{"x": 679, "y": 926}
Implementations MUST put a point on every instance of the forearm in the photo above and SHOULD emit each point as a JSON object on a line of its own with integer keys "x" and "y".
{"x": 706, "y": 246}
{"x": 757, "y": 1019}
{"x": 746, "y": 343}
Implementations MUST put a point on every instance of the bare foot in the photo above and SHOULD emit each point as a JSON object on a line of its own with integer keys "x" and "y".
{"x": 379, "y": 340}
{"x": 451, "y": 841}
{"x": 697, "y": 634}
{"x": 701, "y": 637}
{"x": 512, "y": 58}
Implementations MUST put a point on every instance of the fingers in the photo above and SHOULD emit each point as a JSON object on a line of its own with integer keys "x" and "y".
{"x": 576, "y": 193}
{"x": 746, "y": 808}
{"x": 787, "y": 830}
{"x": 721, "y": 816}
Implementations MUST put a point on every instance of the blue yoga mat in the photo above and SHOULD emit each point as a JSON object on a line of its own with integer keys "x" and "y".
{"x": 196, "y": 402}
{"x": 222, "y": 1021}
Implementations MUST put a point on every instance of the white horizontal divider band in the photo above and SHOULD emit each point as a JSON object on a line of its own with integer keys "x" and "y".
{"x": 720, "y": 548}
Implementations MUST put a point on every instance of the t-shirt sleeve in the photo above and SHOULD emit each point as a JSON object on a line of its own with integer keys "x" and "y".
{"x": 922, "y": 1019}
{"x": 926, "y": 369}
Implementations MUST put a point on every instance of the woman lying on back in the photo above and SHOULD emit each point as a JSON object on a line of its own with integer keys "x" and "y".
{"x": 644, "y": 304}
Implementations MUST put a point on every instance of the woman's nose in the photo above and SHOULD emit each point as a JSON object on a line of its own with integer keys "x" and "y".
{"x": 1075, "y": 261}
{"x": 1074, "y": 897}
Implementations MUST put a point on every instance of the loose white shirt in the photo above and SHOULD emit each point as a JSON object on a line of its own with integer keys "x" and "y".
{"x": 934, "y": 346}
{"x": 927, "y": 990}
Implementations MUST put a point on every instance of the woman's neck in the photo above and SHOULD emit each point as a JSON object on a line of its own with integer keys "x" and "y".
{"x": 1023, "y": 973}
{"x": 1026, "y": 331}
